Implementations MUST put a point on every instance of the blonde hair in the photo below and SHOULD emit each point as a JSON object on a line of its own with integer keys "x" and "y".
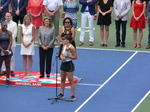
{"x": 27, "y": 16}
{"x": 50, "y": 25}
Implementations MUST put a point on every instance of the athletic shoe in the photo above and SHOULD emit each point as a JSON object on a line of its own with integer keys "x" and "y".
{"x": 60, "y": 96}
{"x": 72, "y": 98}
{"x": 7, "y": 82}
{"x": 91, "y": 43}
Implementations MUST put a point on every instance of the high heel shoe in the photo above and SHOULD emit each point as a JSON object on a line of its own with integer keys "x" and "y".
{"x": 138, "y": 46}
{"x": 48, "y": 75}
{"x": 41, "y": 76}
{"x": 135, "y": 45}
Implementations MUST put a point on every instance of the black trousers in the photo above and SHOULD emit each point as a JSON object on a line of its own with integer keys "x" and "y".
{"x": 118, "y": 24}
{"x": 45, "y": 57}
{"x": 17, "y": 19}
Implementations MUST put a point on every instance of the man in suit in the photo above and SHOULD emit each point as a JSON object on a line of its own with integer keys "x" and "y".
{"x": 11, "y": 26}
{"x": 121, "y": 9}
{"x": 18, "y": 10}
{"x": 88, "y": 12}
{"x": 4, "y": 7}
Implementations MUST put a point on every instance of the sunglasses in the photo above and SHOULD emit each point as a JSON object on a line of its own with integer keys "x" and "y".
{"x": 67, "y": 22}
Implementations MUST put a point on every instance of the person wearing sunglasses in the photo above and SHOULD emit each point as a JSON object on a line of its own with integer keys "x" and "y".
{"x": 67, "y": 29}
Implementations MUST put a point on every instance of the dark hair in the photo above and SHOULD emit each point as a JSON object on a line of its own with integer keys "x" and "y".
{"x": 67, "y": 37}
{"x": 69, "y": 20}
{"x": 2, "y": 21}
{"x": 140, "y": 0}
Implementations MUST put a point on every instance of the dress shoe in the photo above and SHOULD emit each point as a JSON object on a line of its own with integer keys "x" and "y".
{"x": 102, "y": 45}
{"x": 3, "y": 73}
{"x": 105, "y": 45}
{"x": 117, "y": 45}
{"x": 91, "y": 43}
{"x": 48, "y": 75}
{"x": 123, "y": 45}
{"x": 41, "y": 76}
{"x": 148, "y": 47}
{"x": 81, "y": 43}
{"x": 138, "y": 46}
{"x": 12, "y": 73}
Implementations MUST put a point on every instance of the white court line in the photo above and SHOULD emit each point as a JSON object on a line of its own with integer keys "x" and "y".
{"x": 141, "y": 101}
{"x": 106, "y": 82}
{"x": 88, "y": 84}
{"x": 100, "y": 49}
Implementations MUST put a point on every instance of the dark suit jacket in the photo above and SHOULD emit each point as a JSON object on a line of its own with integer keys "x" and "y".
{"x": 22, "y": 7}
{"x": 91, "y": 6}
{"x": 148, "y": 12}
{"x": 5, "y": 5}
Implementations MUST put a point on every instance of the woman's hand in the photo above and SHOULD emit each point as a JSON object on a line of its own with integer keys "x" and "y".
{"x": 27, "y": 45}
{"x": 103, "y": 13}
{"x": 5, "y": 52}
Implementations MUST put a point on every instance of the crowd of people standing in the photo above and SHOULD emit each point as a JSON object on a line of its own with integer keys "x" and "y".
{"x": 35, "y": 28}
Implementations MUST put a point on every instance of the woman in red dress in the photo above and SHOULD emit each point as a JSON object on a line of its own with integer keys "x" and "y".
{"x": 138, "y": 21}
{"x": 35, "y": 9}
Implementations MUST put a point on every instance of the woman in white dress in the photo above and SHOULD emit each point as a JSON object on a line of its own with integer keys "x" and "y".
{"x": 27, "y": 32}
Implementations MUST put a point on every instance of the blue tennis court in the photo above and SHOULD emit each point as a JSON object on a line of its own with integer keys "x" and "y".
{"x": 112, "y": 81}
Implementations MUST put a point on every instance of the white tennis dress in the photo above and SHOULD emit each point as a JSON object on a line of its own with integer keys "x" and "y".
{"x": 27, "y": 36}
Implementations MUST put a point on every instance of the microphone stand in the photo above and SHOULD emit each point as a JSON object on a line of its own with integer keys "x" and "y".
{"x": 56, "y": 98}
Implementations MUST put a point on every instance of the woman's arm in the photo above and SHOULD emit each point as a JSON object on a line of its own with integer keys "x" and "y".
{"x": 133, "y": 9}
{"x": 21, "y": 36}
{"x": 109, "y": 11}
{"x": 73, "y": 33}
{"x": 143, "y": 12}
{"x": 61, "y": 31}
{"x": 99, "y": 9}
{"x": 10, "y": 40}
{"x": 33, "y": 34}
{"x": 61, "y": 55}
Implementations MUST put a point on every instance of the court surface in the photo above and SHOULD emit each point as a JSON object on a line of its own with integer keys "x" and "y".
{"x": 112, "y": 81}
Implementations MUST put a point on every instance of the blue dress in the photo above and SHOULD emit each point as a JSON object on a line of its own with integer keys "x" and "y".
{"x": 4, "y": 42}
{"x": 71, "y": 9}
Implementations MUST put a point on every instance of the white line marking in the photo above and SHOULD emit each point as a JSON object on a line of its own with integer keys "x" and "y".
{"x": 88, "y": 84}
{"x": 100, "y": 49}
{"x": 141, "y": 101}
{"x": 106, "y": 82}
